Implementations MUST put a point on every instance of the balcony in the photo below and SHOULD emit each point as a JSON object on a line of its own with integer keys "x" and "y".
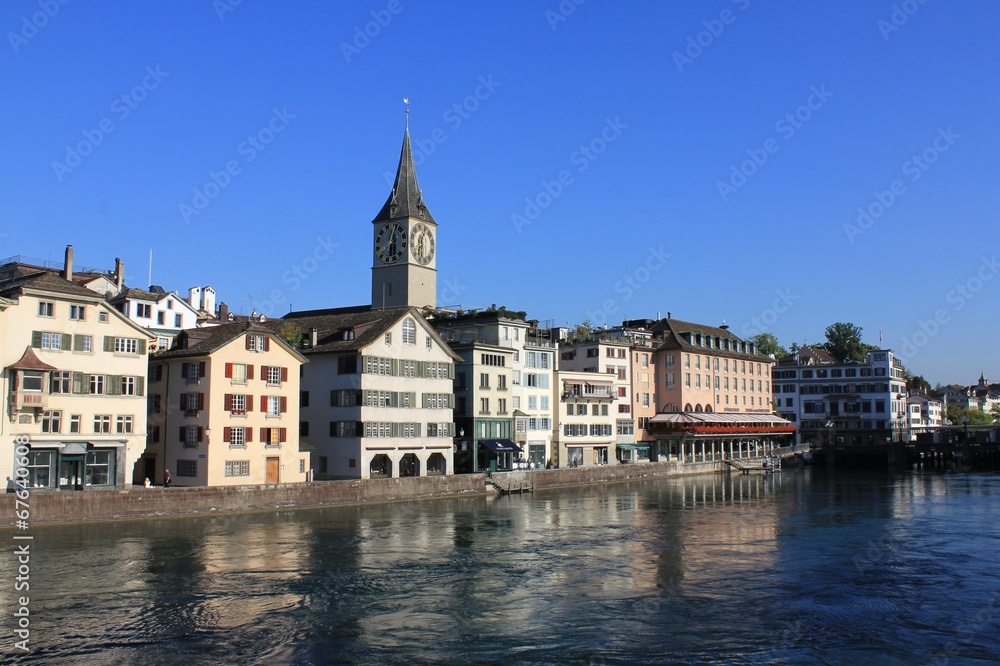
{"x": 29, "y": 400}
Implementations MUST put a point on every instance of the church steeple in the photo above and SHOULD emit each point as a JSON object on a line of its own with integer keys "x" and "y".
{"x": 405, "y": 200}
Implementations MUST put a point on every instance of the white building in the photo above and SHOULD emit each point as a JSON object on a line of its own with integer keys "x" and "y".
{"x": 857, "y": 403}
{"x": 586, "y": 419}
{"x": 163, "y": 313}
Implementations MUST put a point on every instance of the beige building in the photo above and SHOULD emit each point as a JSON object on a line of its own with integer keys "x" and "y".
{"x": 224, "y": 409}
{"x": 73, "y": 384}
{"x": 377, "y": 393}
{"x": 586, "y": 418}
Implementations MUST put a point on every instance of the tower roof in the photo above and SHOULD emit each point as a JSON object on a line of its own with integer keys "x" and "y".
{"x": 405, "y": 200}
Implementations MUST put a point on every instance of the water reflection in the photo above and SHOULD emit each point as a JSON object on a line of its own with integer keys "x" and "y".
{"x": 703, "y": 568}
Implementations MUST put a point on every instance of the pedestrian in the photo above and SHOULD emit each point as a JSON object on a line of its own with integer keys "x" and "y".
{"x": 148, "y": 483}
{"x": 166, "y": 478}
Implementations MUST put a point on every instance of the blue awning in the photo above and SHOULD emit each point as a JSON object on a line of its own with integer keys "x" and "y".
{"x": 500, "y": 445}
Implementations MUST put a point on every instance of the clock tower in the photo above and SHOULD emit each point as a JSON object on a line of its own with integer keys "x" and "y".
{"x": 404, "y": 263}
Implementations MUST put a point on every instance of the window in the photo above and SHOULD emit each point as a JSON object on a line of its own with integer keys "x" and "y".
{"x": 177, "y": 321}
{"x": 273, "y": 405}
{"x": 388, "y": 339}
{"x": 484, "y": 380}
{"x": 102, "y": 424}
{"x": 96, "y": 384}
{"x": 409, "y": 332}
{"x": 82, "y": 343}
{"x": 502, "y": 383}
{"x": 123, "y": 425}
{"x": 128, "y": 386}
{"x": 237, "y": 468}
{"x": 61, "y": 382}
{"x": 39, "y": 468}
{"x": 237, "y": 437}
{"x": 484, "y": 405}
{"x": 191, "y": 436}
{"x": 668, "y": 361}
{"x": 51, "y": 341}
{"x": 670, "y": 380}
{"x": 502, "y": 405}
{"x": 186, "y": 468}
{"x": 51, "y": 421}
{"x": 126, "y": 345}
{"x": 257, "y": 343}
{"x": 237, "y": 403}
{"x": 545, "y": 403}
{"x": 238, "y": 372}
{"x": 532, "y": 402}
{"x": 74, "y": 423}
{"x": 76, "y": 312}
{"x": 45, "y": 309}
{"x": 274, "y": 374}
{"x": 102, "y": 317}
{"x": 99, "y": 466}
{"x": 303, "y": 398}
{"x": 143, "y": 310}
{"x": 160, "y": 316}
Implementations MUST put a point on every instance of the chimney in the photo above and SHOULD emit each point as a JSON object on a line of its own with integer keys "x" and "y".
{"x": 208, "y": 300}
{"x": 68, "y": 268}
{"x": 194, "y": 297}
{"x": 313, "y": 337}
{"x": 119, "y": 274}
{"x": 670, "y": 314}
{"x": 223, "y": 311}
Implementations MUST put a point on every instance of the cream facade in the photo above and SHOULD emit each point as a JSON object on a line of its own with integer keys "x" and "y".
{"x": 224, "y": 409}
{"x": 585, "y": 419}
{"x": 73, "y": 383}
{"x": 377, "y": 393}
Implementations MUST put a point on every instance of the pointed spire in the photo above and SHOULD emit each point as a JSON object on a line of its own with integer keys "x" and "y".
{"x": 405, "y": 200}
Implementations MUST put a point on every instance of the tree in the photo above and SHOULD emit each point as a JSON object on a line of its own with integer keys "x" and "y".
{"x": 975, "y": 416}
{"x": 916, "y": 382}
{"x": 995, "y": 411}
{"x": 767, "y": 345}
{"x": 290, "y": 333}
{"x": 580, "y": 332}
{"x": 843, "y": 341}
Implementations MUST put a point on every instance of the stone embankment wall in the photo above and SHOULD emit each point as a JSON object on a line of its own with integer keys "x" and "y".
{"x": 62, "y": 507}
{"x": 65, "y": 507}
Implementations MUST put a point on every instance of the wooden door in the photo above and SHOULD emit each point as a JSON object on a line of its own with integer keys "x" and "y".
{"x": 273, "y": 467}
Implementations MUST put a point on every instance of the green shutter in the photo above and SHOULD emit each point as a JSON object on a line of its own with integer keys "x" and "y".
{"x": 451, "y": 371}
{"x": 142, "y": 346}
{"x": 114, "y": 386}
{"x": 395, "y": 367}
{"x": 140, "y": 385}
{"x": 77, "y": 382}
{"x": 77, "y": 343}
{"x": 66, "y": 342}
{"x": 451, "y": 401}
{"x": 109, "y": 343}
{"x": 36, "y": 339}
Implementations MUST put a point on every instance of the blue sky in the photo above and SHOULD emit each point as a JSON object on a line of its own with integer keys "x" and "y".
{"x": 584, "y": 161}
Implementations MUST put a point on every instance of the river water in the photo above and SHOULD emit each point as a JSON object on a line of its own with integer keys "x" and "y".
{"x": 802, "y": 567}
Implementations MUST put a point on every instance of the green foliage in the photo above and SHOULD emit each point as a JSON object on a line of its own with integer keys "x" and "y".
{"x": 767, "y": 344}
{"x": 290, "y": 333}
{"x": 581, "y": 332}
{"x": 995, "y": 412}
{"x": 843, "y": 341}
{"x": 916, "y": 382}
{"x": 975, "y": 416}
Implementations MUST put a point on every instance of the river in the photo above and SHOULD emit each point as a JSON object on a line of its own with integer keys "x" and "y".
{"x": 801, "y": 567}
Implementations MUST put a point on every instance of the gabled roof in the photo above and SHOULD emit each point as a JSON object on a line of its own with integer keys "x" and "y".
{"x": 405, "y": 199}
{"x": 50, "y": 282}
{"x": 354, "y": 328}
{"x": 206, "y": 341}
{"x": 29, "y": 361}
{"x": 674, "y": 330}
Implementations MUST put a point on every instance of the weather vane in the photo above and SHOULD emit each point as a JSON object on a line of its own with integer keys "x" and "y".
{"x": 406, "y": 101}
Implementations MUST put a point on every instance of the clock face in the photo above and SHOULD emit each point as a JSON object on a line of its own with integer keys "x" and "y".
{"x": 390, "y": 243}
{"x": 422, "y": 243}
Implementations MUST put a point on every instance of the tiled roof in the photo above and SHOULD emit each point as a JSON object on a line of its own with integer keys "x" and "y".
{"x": 673, "y": 331}
{"x": 29, "y": 361}
{"x": 352, "y": 328}
{"x": 140, "y": 294}
{"x": 48, "y": 282}
{"x": 405, "y": 200}
{"x": 204, "y": 341}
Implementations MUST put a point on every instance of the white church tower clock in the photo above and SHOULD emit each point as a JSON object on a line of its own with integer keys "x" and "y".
{"x": 404, "y": 264}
